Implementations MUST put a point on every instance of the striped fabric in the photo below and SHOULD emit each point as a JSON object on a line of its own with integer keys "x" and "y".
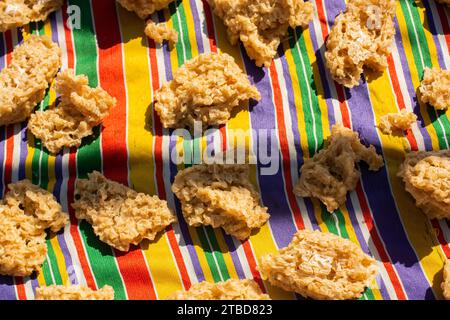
{"x": 299, "y": 101}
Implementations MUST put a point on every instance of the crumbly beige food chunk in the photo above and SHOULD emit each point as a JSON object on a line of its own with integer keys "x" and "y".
{"x": 160, "y": 32}
{"x": 231, "y": 289}
{"x": 220, "y": 196}
{"x": 74, "y": 292}
{"x": 144, "y": 8}
{"x": 81, "y": 109}
{"x": 119, "y": 215}
{"x": 17, "y": 13}
{"x": 361, "y": 38}
{"x": 395, "y": 122}
{"x": 446, "y": 283}
{"x": 320, "y": 266}
{"x": 261, "y": 25}
{"x": 427, "y": 179}
{"x": 25, "y": 213}
{"x": 332, "y": 172}
{"x": 206, "y": 88}
{"x": 435, "y": 88}
{"x": 23, "y": 82}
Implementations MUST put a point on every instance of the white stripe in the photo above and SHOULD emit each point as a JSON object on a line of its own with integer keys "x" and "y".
{"x": 368, "y": 240}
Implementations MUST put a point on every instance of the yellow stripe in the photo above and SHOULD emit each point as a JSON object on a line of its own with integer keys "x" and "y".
{"x": 415, "y": 223}
{"x": 140, "y": 145}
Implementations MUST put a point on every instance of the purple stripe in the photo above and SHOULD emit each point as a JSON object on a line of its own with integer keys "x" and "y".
{"x": 197, "y": 26}
{"x": 410, "y": 86}
{"x": 363, "y": 244}
{"x": 263, "y": 117}
{"x": 387, "y": 219}
{"x": 432, "y": 26}
{"x": 295, "y": 131}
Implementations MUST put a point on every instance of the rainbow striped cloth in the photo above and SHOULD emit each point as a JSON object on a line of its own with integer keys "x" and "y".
{"x": 299, "y": 101}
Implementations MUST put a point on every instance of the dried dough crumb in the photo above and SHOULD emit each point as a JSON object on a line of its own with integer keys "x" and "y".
{"x": 446, "y": 283}
{"x": 435, "y": 88}
{"x": 331, "y": 173}
{"x": 23, "y": 82}
{"x": 262, "y": 25}
{"x": 17, "y": 13}
{"x": 144, "y": 8}
{"x": 361, "y": 38}
{"x": 427, "y": 179}
{"x": 206, "y": 88}
{"x": 25, "y": 213}
{"x": 231, "y": 289}
{"x": 119, "y": 215}
{"x": 320, "y": 266}
{"x": 80, "y": 110}
{"x": 220, "y": 196}
{"x": 160, "y": 32}
{"x": 74, "y": 292}
{"x": 394, "y": 122}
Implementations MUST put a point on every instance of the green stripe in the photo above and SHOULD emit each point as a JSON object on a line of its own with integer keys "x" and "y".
{"x": 308, "y": 95}
{"x": 217, "y": 252}
{"x": 45, "y": 270}
{"x": 184, "y": 26}
{"x": 416, "y": 35}
{"x": 176, "y": 25}
{"x": 53, "y": 262}
{"x": 208, "y": 254}
{"x": 102, "y": 260}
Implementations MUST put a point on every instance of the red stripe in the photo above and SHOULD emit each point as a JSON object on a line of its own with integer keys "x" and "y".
{"x": 252, "y": 264}
{"x": 379, "y": 244}
{"x": 68, "y": 36}
{"x": 21, "y": 294}
{"x": 132, "y": 265}
{"x": 284, "y": 146}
